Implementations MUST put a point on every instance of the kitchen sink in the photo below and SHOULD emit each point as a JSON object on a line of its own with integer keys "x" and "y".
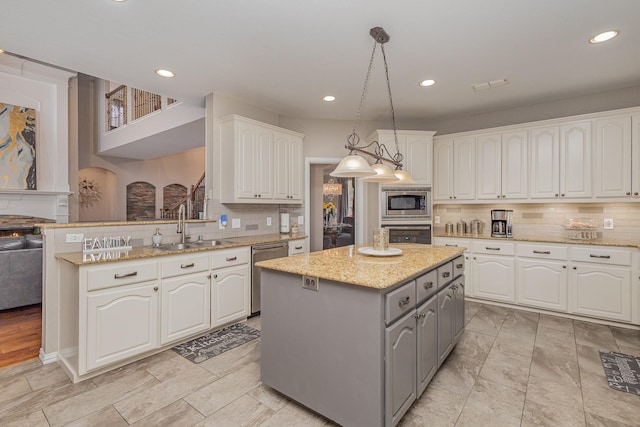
{"x": 204, "y": 243}
{"x": 192, "y": 245}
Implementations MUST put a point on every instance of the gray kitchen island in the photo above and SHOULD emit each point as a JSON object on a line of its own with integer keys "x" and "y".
{"x": 357, "y": 338}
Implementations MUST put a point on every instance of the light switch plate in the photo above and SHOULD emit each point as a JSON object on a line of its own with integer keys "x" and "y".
{"x": 300, "y": 220}
{"x": 74, "y": 238}
{"x": 268, "y": 221}
{"x": 608, "y": 223}
{"x": 235, "y": 223}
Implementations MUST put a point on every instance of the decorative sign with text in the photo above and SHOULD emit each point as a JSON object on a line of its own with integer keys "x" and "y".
{"x": 111, "y": 243}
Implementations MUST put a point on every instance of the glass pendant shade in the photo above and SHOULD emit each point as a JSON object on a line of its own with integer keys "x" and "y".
{"x": 403, "y": 177}
{"x": 383, "y": 174}
{"x": 353, "y": 166}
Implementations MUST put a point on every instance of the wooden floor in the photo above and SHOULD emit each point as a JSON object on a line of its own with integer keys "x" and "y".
{"x": 20, "y": 334}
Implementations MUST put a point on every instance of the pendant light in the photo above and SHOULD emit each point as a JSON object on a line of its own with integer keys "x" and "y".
{"x": 354, "y": 165}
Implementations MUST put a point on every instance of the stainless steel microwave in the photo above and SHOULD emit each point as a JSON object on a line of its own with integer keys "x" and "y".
{"x": 405, "y": 203}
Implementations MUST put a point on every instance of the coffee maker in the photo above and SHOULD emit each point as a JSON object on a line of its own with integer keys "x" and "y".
{"x": 501, "y": 223}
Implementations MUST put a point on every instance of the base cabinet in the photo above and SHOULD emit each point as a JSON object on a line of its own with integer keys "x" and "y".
{"x": 427, "y": 343}
{"x": 494, "y": 278}
{"x": 185, "y": 306}
{"x": 121, "y": 322}
{"x": 543, "y": 284}
{"x": 230, "y": 298}
{"x": 603, "y": 292}
{"x": 400, "y": 367}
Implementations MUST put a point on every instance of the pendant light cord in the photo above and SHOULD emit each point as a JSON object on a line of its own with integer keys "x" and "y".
{"x": 398, "y": 156}
{"x": 354, "y": 138}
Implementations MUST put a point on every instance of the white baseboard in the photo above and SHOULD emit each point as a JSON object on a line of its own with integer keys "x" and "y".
{"x": 48, "y": 358}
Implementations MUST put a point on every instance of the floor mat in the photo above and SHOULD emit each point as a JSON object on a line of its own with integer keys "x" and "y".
{"x": 622, "y": 371}
{"x": 200, "y": 349}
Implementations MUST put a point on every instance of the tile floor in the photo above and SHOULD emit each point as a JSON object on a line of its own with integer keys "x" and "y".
{"x": 511, "y": 368}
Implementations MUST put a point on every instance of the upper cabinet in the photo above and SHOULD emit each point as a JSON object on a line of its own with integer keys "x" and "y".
{"x": 262, "y": 162}
{"x": 417, "y": 149}
{"x": 560, "y": 161}
{"x": 454, "y": 169}
{"x": 614, "y": 158}
{"x": 502, "y": 169}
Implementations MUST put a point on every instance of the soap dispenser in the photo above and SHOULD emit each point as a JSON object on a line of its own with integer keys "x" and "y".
{"x": 157, "y": 237}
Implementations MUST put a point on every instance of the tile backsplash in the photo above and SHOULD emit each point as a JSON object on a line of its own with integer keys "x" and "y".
{"x": 547, "y": 218}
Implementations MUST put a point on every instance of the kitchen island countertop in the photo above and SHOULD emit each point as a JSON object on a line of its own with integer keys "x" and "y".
{"x": 346, "y": 265}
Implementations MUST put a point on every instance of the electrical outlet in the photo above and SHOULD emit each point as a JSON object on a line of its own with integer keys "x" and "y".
{"x": 74, "y": 238}
{"x": 608, "y": 223}
{"x": 268, "y": 221}
{"x": 300, "y": 220}
{"x": 235, "y": 223}
{"x": 310, "y": 283}
{"x": 436, "y": 219}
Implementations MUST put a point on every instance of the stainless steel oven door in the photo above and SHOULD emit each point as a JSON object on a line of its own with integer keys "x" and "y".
{"x": 409, "y": 234}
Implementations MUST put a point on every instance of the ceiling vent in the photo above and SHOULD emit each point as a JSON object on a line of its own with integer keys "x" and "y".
{"x": 489, "y": 85}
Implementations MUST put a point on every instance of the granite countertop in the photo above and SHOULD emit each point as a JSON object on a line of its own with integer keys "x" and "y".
{"x": 345, "y": 264}
{"x": 541, "y": 238}
{"x": 140, "y": 252}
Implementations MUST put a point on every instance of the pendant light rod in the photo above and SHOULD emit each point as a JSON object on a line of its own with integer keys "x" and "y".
{"x": 378, "y": 153}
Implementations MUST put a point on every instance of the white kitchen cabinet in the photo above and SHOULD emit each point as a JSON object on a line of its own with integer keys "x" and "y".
{"x": 121, "y": 322}
{"x": 230, "y": 285}
{"x": 454, "y": 169}
{"x": 288, "y": 167}
{"x": 600, "y": 291}
{"x": 263, "y": 161}
{"x": 185, "y": 306}
{"x": 560, "y": 161}
{"x": 415, "y": 146}
{"x": 468, "y": 257}
{"x": 613, "y": 157}
{"x": 502, "y": 167}
{"x": 494, "y": 274}
{"x": 542, "y": 283}
{"x": 297, "y": 247}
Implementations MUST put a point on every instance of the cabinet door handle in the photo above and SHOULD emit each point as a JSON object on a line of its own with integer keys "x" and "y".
{"x": 542, "y": 252}
{"x": 491, "y": 249}
{"x": 122, "y": 276}
{"x": 446, "y": 274}
{"x": 459, "y": 265}
{"x": 155, "y": 289}
{"x": 187, "y": 265}
{"x": 428, "y": 285}
{"x": 215, "y": 276}
{"x": 404, "y": 301}
{"x": 635, "y": 194}
{"x": 208, "y": 276}
{"x": 233, "y": 258}
{"x": 298, "y": 248}
{"x": 628, "y": 193}
{"x": 600, "y": 256}
{"x": 417, "y": 315}
{"x": 564, "y": 266}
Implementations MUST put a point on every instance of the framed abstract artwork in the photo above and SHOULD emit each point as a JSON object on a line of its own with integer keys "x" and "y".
{"x": 17, "y": 147}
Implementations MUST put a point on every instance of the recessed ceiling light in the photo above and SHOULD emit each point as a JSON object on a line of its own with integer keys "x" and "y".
{"x": 165, "y": 73}
{"x": 329, "y": 98}
{"x": 119, "y": 1}
{"x": 426, "y": 83}
{"x": 603, "y": 37}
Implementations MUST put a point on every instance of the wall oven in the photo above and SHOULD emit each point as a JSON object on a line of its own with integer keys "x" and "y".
{"x": 405, "y": 204}
{"x": 418, "y": 233}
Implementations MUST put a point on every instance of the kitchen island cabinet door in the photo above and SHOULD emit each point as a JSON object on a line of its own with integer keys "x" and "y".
{"x": 121, "y": 322}
{"x": 458, "y": 308}
{"x": 427, "y": 343}
{"x": 185, "y": 306}
{"x": 494, "y": 277}
{"x": 230, "y": 294}
{"x": 400, "y": 368}
{"x": 600, "y": 291}
{"x": 445, "y": 323}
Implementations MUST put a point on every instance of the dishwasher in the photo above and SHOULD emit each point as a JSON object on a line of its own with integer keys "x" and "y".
{"x": 261, "y": 253}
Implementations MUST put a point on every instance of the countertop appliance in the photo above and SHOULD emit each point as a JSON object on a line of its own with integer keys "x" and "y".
{"x": 501, "y": 223}
{"x": 418, "y": 233}
{"x": 405, "y": 204}
{"x": 284, "y": 223}
{"x": 263, "y": 252}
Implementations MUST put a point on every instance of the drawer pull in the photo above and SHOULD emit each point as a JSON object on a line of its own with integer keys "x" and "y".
{"x": 459, "y": 265}
{"x": 122, "y": 276}
{"x": 446, "y": 274}
{"x": 428, "y": 285}
{"x": 491, "y": 249}
{"x": 233, "y": 258}
{"x": 455, "y": 246}
{"x": 542, "y": 252}
{"x": 600, "y": 256}
{"x": 187, "y": 265}
{"x": 404, "y": 301}
{"x": 298, "y": 248}
{"x": 155, "y": 289}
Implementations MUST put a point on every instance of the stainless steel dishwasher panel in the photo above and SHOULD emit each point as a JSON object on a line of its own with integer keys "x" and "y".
{"x": 261, "y": 253}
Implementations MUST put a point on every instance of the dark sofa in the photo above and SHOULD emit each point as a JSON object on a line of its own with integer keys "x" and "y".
{"x": 20, "y": 271}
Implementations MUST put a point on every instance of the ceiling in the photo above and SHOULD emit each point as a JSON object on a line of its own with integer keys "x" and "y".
{"x": 284, "y": 55}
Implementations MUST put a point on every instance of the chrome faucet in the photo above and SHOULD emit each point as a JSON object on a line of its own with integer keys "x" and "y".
{"x": 182, "y": 222}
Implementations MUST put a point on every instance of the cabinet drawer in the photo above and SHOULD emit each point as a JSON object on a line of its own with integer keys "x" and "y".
{"x": 458, "y": 266}
{"x": 543, "y": 251}
{"x": 297, "y": 247}
{"x": 121, "y": 273}
{"x": 400, "y": 301}
{"x": 184, "y": 264}
{"x": 447, "y": 241}
{"x": 228, "y": 257}
{"x": 601, "y": 255}
{"x": 427, "y": 285}
{"x": 445, "y": 274}
{"x": 493, "y": 248}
